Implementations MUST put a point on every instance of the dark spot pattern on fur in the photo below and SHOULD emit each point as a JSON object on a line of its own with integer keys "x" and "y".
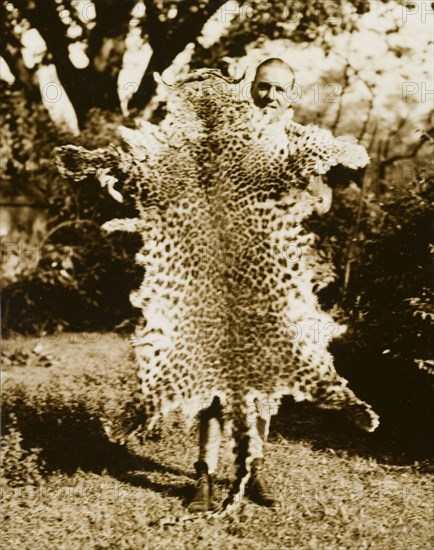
{"x": 229, "y": 309}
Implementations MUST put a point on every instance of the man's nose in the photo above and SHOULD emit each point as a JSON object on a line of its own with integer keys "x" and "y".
{"x": 271, "y": 94}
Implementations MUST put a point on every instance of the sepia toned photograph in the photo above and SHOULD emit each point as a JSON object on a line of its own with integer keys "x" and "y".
{"x": 217, "y": 269}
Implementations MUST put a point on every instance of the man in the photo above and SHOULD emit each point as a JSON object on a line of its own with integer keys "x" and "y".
{"x": 271, "y": 88}
{"x": 177, "y": 365}
{"x": 272, "y": 85}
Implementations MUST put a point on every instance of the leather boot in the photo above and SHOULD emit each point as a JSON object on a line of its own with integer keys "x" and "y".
{"x": 202, "y": 500}
{"x": 257, "y": 489}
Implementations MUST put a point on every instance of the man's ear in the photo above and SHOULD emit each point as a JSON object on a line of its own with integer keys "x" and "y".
{"x": 322, "y": 193}
{"x": 252, "y": 88}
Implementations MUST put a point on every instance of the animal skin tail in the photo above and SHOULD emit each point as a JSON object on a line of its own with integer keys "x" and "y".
{"x": 245, "y": 439}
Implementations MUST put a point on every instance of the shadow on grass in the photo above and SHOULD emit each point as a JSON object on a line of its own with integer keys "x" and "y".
{"x": 139, "y": 478}
{"x": 323, "y": 429}
{"x": 78, "y": 441}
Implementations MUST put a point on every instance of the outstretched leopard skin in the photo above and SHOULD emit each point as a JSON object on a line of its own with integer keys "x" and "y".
{"x": 222, "y": 190}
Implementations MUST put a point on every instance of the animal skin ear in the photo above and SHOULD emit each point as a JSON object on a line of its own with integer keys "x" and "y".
{"x": 322, "y": 193}
{"x": 158, "y": 79}
{"x": 143, "y": 142}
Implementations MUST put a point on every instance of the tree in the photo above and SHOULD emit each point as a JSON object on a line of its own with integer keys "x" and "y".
{"x": 100, "y": 29}
{"x": 366, "y": 107}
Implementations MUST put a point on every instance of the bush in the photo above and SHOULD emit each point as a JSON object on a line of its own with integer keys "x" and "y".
{"x": 387, "y": 351}
{"x": 391, "y": 292}
{"x": 20, "y": 466}
{"x": 82, "y": 285}
{"x": 83, "y": 277}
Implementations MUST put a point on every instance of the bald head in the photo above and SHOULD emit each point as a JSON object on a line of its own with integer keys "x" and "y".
{"x": 274, "y": 80}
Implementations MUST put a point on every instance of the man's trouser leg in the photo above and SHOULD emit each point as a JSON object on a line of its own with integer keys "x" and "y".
{"x": 259, "y": 432}
{"x": 211, "y": 421}
{"x": 263, "y": 427}
{"x": 258, "y": 490}
{"x": 209, "y": 446}
{"x": 210, "y": 435}
{"x": 210, "y": 424}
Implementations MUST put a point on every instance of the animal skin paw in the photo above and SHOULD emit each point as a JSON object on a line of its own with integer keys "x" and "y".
{"x": 364, "y": 417}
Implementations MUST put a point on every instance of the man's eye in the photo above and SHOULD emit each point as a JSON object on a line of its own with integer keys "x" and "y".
{"x": 263, "y": 87}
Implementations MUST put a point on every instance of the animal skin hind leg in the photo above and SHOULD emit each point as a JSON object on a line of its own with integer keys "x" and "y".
{"x": 336, "y": 395}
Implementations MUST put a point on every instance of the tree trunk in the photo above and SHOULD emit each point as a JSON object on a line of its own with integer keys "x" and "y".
{"x": 167, "y": 46}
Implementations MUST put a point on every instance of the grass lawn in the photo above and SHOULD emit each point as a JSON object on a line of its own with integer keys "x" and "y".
{"x": 339, "y": 488}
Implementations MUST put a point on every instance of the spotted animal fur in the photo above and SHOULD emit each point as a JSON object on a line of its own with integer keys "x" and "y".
{"x": 222, "y": 190}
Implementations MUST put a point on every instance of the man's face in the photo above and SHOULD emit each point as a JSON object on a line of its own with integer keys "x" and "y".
{"x": 271, "y": 87}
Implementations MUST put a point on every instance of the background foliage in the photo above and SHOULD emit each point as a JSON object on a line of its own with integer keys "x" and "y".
{"x": 378, "y": 233}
